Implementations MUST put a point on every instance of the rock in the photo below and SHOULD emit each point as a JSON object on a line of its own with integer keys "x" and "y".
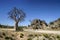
{"x": 55, "y": 24}
{"x": 38, "y": 24}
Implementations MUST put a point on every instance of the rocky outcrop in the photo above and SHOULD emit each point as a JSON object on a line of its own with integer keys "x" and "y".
{"x": 55, "y": 24}
{"x": 38, "y": 24}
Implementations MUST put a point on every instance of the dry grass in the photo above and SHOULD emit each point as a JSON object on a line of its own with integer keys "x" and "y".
{"x": 13, "y": 35}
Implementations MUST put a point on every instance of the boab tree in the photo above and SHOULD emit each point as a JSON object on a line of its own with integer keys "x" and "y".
{"x": 17, "y": 15}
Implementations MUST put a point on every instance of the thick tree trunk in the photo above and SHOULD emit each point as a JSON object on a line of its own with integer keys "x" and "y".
{"x": 16, "y": 26}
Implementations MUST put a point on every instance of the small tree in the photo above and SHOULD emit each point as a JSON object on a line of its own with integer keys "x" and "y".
{"x": 17, "y": 15}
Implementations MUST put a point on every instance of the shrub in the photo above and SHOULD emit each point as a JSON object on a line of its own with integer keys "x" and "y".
{"x": 29, "y": 39}
{"x": 58, "y": 37}
{"x": 36, "y": 35}
{"x": 43, "y": 39}
{"x": 46, "y": 35}
{"x": 51, "y": 23}
{"x": 31, "y": 35}
{"x": 4, "y": 34}
{"x": 20, "y": 28}
{"x": 21, "y": 35}
{"x": 9, "y": 38}
{"x": 12, "y": 35}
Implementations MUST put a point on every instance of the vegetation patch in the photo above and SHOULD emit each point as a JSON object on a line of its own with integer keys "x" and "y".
{"x": 30, "y": 35}
{"x": 9, "y": 38}
{"x": 29, "y": 39}
{"x": 46, "y": 35}
{"x": 4, "y": 34}
{"x": 21, "y": 35}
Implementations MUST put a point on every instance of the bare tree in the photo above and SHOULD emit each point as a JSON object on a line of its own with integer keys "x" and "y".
{"x": 17, "y": 15}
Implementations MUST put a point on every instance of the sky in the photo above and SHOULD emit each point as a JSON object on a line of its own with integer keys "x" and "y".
{"x": 48, "y": 10}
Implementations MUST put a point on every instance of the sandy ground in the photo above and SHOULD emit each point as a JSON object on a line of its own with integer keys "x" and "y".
{"x": 36, "y": 31}
{"x": 42, "y": 31}
{"x": 11, "y": 29}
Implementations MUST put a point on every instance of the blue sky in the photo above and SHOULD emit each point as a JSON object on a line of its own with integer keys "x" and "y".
{"x": 48, "y": 10}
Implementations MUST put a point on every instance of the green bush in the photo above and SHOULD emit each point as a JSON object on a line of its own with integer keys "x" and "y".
{"x": 20, "y": 28}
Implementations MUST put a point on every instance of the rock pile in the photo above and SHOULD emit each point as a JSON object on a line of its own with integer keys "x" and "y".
{"x": 38, "y": 24}
{"x": 55, "y": 24}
